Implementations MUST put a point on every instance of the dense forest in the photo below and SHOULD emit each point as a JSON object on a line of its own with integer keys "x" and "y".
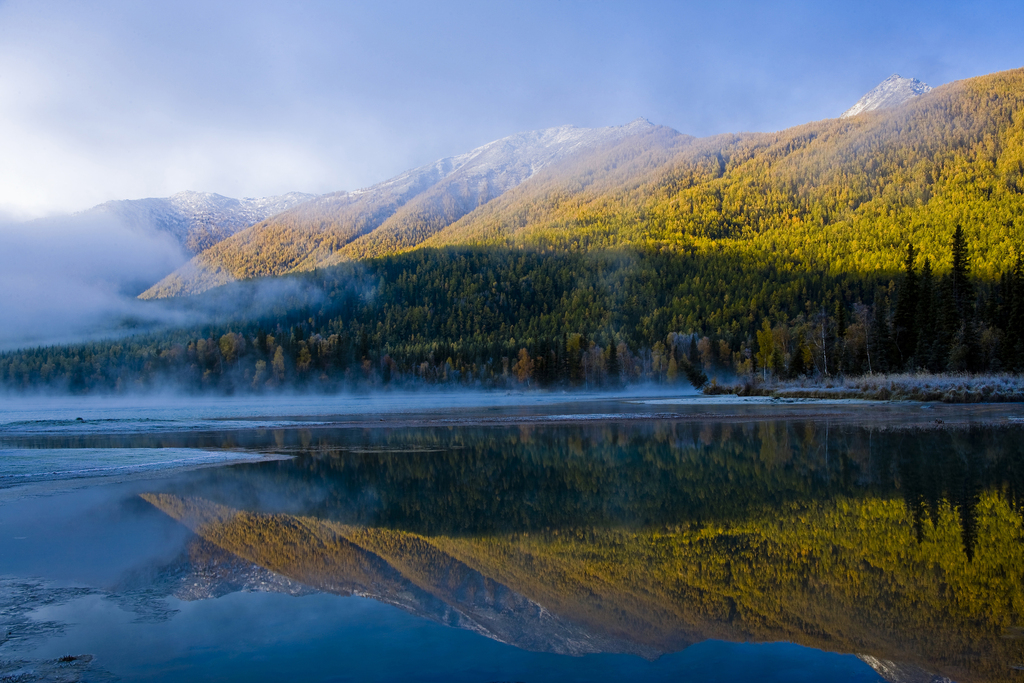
{"x": 491, "y": 317}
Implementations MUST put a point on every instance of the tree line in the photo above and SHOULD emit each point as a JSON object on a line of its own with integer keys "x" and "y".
{"x": 493, "y": 317}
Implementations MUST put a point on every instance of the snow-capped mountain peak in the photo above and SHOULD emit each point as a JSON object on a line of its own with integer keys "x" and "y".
{"x": 196, "y": 219}
{"x": 890, "y": 93}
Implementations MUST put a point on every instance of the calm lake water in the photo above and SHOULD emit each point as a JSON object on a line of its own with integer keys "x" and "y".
{"x": 510, "y": 539}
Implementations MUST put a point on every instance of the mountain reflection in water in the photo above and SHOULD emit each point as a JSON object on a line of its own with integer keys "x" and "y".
{"x": 900, "y": 545}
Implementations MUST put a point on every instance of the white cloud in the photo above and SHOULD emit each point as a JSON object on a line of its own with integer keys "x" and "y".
{"x": 115, "y": 99}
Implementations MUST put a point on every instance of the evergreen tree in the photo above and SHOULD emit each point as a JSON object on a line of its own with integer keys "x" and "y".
{"x": 1014, "y": 330}
{"x": 840, "y": 346}
{"x": 880, "y": 336}
{"x": 925, "y": 321}
{"x": 613, "y": 363}
{"x": 904, "y": 324}
{"x": 563, "y": 360}
{"x": 841, "y": 320}
{"x": 797, "y": 365}
{"x": 964, "y": 352}
{"x": 960, "y": 275}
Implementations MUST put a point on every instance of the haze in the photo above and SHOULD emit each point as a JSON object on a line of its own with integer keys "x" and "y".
{"x": 116, "y": 100}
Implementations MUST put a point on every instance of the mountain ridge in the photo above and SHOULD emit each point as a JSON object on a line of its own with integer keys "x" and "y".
{"x": 196, "y": 220}
{"x": 845, "y": 194}
{"x": 405, "y": 209}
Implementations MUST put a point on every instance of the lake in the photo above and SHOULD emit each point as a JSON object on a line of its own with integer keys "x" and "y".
{"x": 486, "y": 537}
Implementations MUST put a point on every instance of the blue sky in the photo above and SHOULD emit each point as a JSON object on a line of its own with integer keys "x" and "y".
{"x": 107, "y": 100}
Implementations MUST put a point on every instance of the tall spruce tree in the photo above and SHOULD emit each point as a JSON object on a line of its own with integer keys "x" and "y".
{"x": 905, "y": 328}
{"x": 880, "y": 336}
{"x": 964, "y": 351}
{"x": 1014, "y": 354}
{"x": 960, "y": 275}
{"x": 925, "y": 321}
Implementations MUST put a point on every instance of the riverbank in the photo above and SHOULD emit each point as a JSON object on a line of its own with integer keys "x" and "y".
{"x": 945, "y": 388}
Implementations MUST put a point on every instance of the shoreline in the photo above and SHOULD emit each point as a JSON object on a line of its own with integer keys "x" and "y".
{"x": 919, "y": 387}
{"x": 47, "y": 487}
{"x": 587, "y": 412}
{"x": 759, "y": 403}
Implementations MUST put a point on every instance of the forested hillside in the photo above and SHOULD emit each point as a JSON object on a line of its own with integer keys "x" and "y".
{"x": 841, "y": 195}
{"x": 499, "y": 317}
{"x": 888, "y": 241}
{"x": 399, "y": 212}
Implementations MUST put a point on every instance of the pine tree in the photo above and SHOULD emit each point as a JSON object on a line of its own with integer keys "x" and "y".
{"x": 840, "y": 346}
{"x": 963, "y": 292}
{"x": 1015, "y": 320}
{"x": 563, "y": 360}
{"x": 797, "y": 366}
{"x": 613, "y": 364}
{"x": 964, "y": 352}
{"x": 926, "y": 322}
{"x": 904, "y": 328}
{"x": 880, "y": 336}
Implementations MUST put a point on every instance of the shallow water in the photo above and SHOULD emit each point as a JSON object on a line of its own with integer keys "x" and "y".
{"x": 511, "y": 538}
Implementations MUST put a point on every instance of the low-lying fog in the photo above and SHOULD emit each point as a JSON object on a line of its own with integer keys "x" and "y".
{"x": 173, "y": 406}
{"x": 76, "y": 277}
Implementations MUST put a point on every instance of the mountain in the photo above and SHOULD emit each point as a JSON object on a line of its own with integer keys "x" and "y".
{"x": 196, "y": 220}
{"x": 626, "y": 245}
{"x": 396, "y": 214}
{"x": 838, "y": 196}
{"x": 841, "y": 195}
{"x": 890, "y": 93}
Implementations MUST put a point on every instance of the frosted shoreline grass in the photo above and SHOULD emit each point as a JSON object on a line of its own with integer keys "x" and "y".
{"x": 945, "y": 388}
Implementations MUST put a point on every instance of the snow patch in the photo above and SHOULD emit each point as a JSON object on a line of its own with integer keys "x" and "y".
{"x": 890, "y": 93}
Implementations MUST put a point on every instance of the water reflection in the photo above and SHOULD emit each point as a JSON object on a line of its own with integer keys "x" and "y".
{"x": 901, "y": 545}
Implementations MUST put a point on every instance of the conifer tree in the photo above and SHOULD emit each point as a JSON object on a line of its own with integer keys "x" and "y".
{"x": 963, "y": 292}
{"x": 613, "y": 363}
{"x": 840, "y": 345}
{"x": 563, "y": 360}
{"x": 904, "y": 328}
{"x": 797, "y": 366}
{"x": 1014, "y": 356}
{"x": 925, "y": 321}
{"x": 880, "y": 336}
{"x": 964, "y": 353}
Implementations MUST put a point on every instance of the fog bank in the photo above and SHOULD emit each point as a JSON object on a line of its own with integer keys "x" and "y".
{"x": 73, "y": 278}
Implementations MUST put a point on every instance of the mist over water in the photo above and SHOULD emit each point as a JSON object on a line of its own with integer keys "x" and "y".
{"x": 77, "y": 278}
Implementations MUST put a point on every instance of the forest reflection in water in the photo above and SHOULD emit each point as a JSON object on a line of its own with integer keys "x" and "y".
{"x": 899, "y": 544}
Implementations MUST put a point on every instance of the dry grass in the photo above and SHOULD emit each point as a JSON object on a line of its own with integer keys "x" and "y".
{"x": 947, "y": 388}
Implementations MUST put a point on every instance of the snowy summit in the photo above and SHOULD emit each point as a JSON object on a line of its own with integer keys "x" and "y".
{"x": 890, "y": 93}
